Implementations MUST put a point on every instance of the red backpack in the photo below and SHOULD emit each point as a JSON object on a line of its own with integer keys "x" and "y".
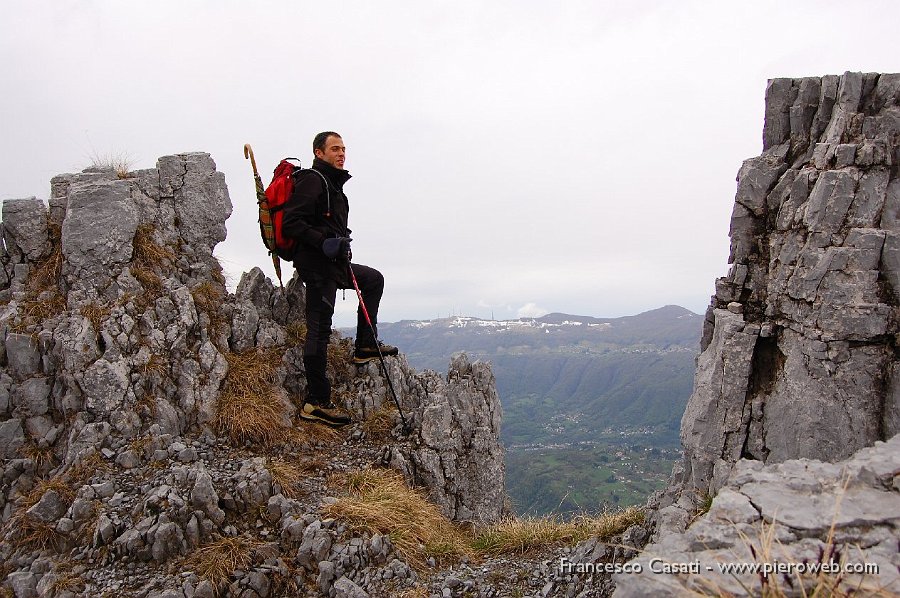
{"x": 271, "y": 212}
{"x": 271, "y": 208}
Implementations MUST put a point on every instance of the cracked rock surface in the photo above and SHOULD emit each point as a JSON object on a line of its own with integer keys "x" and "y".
{"x": 796, "y": 512}
{"x": 799, "y": 352}
{"x": 797, "y": 387}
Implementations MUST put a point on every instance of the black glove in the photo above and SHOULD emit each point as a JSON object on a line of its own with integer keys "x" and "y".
{"x": 337, "y": 246}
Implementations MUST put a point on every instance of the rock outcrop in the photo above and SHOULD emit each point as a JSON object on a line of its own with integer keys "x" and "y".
{"x": 799, "y": 352}
{"x": 790, "y": 436}
{"x": 456, "y": 451}
{"x": 145, "y": 411}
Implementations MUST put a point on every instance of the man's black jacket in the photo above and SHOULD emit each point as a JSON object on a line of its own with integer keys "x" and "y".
{"x": 317, "y": 211}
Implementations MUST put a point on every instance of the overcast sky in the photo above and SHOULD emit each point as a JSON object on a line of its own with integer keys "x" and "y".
{"x": 508, "y": 158}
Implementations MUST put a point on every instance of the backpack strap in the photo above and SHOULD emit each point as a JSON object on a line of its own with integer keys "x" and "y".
{"x": 327, "y": 192}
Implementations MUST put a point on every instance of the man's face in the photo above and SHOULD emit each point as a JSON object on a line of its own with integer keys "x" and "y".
{"x": 334, "y": 152}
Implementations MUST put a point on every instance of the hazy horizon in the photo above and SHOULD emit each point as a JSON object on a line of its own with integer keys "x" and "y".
{"x": 550, "y": 313}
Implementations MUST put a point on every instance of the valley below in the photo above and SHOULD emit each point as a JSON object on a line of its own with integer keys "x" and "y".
{"x": 591, "y": 406}
{"x": 619, "y": 469}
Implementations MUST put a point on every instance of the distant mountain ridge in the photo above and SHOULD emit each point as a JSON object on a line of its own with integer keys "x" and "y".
{"x": 430, "y": 343}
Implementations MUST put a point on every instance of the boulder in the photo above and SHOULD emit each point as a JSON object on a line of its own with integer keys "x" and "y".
{"x": 25, "y": 231}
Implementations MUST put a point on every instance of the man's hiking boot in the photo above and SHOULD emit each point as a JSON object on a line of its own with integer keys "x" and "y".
{"x": 366, "y": 354}
{"x": 328, "y": 414}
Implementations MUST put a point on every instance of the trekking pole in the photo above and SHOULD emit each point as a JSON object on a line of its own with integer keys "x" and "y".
{"x": 362, "y": 304}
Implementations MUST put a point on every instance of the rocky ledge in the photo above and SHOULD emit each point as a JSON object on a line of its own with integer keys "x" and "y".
{"x": 147, "y": 414}
{"x": 830, "y": 526}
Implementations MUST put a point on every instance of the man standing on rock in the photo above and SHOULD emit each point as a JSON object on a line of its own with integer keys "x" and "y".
{"x": 316, "y": 215}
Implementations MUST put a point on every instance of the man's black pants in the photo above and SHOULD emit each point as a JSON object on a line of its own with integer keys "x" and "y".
{"x": 320, "y": 298}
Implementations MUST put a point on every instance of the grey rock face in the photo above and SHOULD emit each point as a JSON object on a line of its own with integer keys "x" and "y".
{"x": 798, "y": 512}
{"x": 457, "y": 453}
{"x": 345, "y": 588}
{"x": 200, "y": 196}
{"x": 49, "y": 508}
{"x": 32, "y": 396}
{"x": 799, "y": 352}
{"x": 105, "y": 385}
{"x": 99, "y": 225}
{"x": 23, "y": 355}
{"x": 86, "y": 438}
{"x": 25, "y": 228}
{"x": 12, "y": 437}
{"x": 798, "y": 356}
{"x": 315, "y": 546}
{"x": 23, "y": 584}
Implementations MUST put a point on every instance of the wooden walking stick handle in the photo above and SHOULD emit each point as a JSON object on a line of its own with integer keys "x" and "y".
{"x": 248, "y": 153}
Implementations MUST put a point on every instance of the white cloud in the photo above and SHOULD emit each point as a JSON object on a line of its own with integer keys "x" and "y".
{"x": 531, "y": 310}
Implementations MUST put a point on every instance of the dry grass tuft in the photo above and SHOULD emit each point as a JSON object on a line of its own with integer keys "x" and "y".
{"x": 819, "y": 578}
{"x": 32, "y": 534}
{"x": 296, "y": 333}
{"x": 218, "y": 275}
{"x": 305, "y": 432}
{"x": 313, "y": 464}
{"x": 340, "y": 361}
{"x": 379, "y": 501}
{"x": 830, "y": 585}
{"x": 155, "y": 365}
{"x": 285, "y": 580}
{"x": 149, "y": 279}
{"x": 252, "y": 369}
{"x": 148, "y": 252}
{"x": 208, "y": 297}
{"x": 119, "y": 163}
{"x": 217, "y": 560}
{"x": 287, "y": 475}
{"x": 82, "y": 471}
{"x": 380, "y": 423}
{"x": 37, "y": 308}
{"x": 26, "y": 532}
{"x": 149, "y": 260}
{"x": 309, "y": 465}
{"x": 43, "y": 299}
{"x": 43, "y": 457}
{"x": 139, "y": 445}
{"x": 44, "y": 274}
{"x": 248, "y": 418}
{"x": 67, "y": 582}
{"x": 147, "y": 406}
{"x": 416, "y": 591}
{"x": 521, "y": 535}
{"x": 60, "y": 484}
{"x": 251, "y": 407}
{"x": 95, "y": 314}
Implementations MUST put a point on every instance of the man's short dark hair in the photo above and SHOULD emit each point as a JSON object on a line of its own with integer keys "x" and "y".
{"x": 321, "y": 138}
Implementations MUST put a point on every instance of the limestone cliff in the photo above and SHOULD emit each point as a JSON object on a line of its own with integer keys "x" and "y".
{"x": 799, "y": 352}
{"x": 124, "y": 375}
{"x": 790, "y": 436}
